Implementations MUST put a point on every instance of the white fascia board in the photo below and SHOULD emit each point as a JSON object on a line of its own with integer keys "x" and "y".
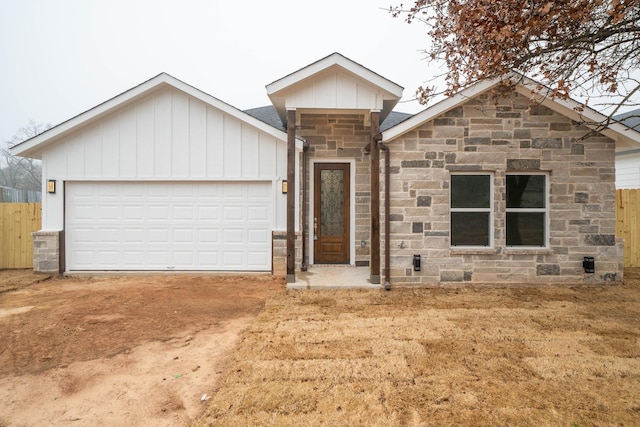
{"x": 33, "y": 147}
{"x": 331, "y": 60}
{"x": 438, "y": 109}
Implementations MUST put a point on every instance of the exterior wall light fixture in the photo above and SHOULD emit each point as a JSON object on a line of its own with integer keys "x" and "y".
{"x": 589, "y": 264}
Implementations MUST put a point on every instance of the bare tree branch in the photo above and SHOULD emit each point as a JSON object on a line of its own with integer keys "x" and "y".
{"x": 20, "y": 172}
{"x": 589, "y": 47}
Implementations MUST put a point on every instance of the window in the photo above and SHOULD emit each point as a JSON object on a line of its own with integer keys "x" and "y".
{"x": 471, "y": 209}
{"x": 527, "y": 210}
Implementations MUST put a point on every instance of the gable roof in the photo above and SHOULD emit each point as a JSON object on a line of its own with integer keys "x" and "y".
{"x": 269, "y": 115}
{"x": 33, "y": 147}
{"x": 624, "y": 136}
{"x": 277, "y": 89}
{"x": 630, "y": 119}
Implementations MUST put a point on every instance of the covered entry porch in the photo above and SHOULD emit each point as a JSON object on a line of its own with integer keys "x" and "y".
{"x": 333, "y": 200}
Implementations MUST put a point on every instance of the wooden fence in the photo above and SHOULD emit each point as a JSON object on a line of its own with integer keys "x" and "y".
{"x": 628, "y": 224}
{"x": 17, "y": 221}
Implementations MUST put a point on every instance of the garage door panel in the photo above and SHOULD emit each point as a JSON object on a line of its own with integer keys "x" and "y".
{"x": 84, "y": 212}
{"x": 233, "y": 213}
{"x": 257, "y": 213}
{"x": 158, "y": 235}
{"x": 184, "y": 259}
{"x": 168, "y": 226}
{"x": 83, "y": 258}
{"x": 209, "y": 259}
{"x": 109, "y": 235}
{"x": 183, "y": 236}
{"x": 257, "y": 258}
{"x": 110, "y": 258}
{"x": 233, "y": 236}
{"x": 133, "y": 235}
{"x": 234, "y": 259}
{"x": 83, "y": 235}
{"x": 257, "y": 236}
{"x": 158, "y": 212}
{"x": 209, "y": 192}
{"x": 133, "y": 257}
{"x": 133, "y": 212}
{"x": 208, "y": 236}
{"x": 132, "y": 191}
{"x": 208, "y": 213}
{"x": 159, "y": 192}
{"x": 159, "y": 257}
{"x": 184, "y": 213}
{"x": 233, "y": 192}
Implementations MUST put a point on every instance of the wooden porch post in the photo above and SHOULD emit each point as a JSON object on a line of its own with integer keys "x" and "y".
{"x": 375, "y": 199}
{"x": 291, "y": 196}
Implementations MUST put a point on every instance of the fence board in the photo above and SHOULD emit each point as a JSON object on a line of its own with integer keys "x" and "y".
{"x": 17, "y": 221}
{"x": 628, "y": 224}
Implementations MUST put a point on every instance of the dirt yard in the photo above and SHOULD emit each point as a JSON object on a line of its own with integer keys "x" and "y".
{"x": 145, "y": 350}
{"x": 530, "y": 356}
{"x": 137, "y": 351}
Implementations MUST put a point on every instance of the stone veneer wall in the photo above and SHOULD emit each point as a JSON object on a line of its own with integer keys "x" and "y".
{"x": 510, "y": 136}
{"x": 46, "y": 251}
{"x": 343, "y": 137}
{"x": 279, "y": 253}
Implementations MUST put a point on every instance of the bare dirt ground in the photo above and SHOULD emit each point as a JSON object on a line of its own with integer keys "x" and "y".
{"x": 142, "y": 351}
{"x": 113, "y": 351}
{"x": 527, "y": 356}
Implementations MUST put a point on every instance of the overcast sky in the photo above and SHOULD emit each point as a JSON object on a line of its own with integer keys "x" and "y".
{"x": 59, "y": 58}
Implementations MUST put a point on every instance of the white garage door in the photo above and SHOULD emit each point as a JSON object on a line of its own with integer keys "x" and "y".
{"x": 168, "y": 226}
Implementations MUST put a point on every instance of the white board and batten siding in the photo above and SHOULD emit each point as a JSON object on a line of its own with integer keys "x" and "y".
{"x": 176, "y": 154}
{"x": 335, "y": 88}
{"x": 628, "y": 171}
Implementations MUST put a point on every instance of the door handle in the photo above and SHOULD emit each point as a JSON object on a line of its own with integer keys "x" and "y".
{"x": 315, "y": 228}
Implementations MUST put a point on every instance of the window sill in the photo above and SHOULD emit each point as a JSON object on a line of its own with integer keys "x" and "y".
{"x": 505, "y": 251}
{"x": 473, "y": 251}
{"x": 527, "y": 251}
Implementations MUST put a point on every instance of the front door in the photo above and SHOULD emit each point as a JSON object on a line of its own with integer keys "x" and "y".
{"x": 331, "y": 213}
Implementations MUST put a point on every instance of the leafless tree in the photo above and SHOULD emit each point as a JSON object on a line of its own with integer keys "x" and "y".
{"x": 20, "y": 172}
{"x": 586, "y": 48}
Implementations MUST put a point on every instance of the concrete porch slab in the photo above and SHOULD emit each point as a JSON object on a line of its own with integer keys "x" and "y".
{"x": 333, "y": 277}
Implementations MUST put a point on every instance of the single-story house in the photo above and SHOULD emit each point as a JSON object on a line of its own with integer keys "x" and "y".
{"x": 474, "y": 189}
{"x": 628, "y": 161}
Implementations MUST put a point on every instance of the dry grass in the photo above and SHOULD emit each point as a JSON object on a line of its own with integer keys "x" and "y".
{"x": 534, "y": 356}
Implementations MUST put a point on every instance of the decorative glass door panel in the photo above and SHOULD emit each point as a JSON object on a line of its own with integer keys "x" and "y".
{"x": 331, "y": 213}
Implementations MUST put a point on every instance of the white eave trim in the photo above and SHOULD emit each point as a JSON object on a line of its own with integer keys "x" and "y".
{"x": 35, "y": 144}
{"x": 332, "y": 60}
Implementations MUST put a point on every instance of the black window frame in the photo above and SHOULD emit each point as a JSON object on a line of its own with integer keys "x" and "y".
{"x": 521, "y": 213}
{"x": 457, "y": 211}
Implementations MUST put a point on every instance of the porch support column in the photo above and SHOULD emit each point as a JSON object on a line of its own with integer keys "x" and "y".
{"x": 375, "y": 199}
{"x": 291, "y": 196}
